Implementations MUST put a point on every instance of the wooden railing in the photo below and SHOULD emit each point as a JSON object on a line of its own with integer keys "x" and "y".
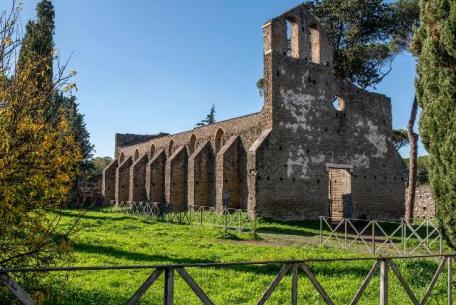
{"x": 293, "y": 268}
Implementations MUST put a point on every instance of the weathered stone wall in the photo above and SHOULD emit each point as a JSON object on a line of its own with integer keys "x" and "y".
{"x": 123, "y": 180}
{"x": 155, "y": 177}
{"x": 137, "y": 190}
{"x": 109, "y": 181}
{"x": 231, "y": 179}
{"x": 201, "y": 176}
{"x": 309, "y": 135}
{"x": 176, "y": 177}
{"x": 276, "y": 162}
{"x": 424, "y": 203}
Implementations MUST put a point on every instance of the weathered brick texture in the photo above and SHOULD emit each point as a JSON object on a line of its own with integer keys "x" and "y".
{"x": 176, "y": 177}
{"x": 123, "y": 180}
{"x": 424, "y": 203}
{"x": 201, "y": 176}
{"x": 231, "y": 179}
{"x": 278, "y": 162}
{"x": 138, "y": 179}
{"x": 155, "y": 177}
{"x": 109, "y": 181}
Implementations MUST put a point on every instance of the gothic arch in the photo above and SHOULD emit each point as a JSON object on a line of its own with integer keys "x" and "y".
{"x": 170, "y": 147}
{"x": 192, "y": 144}
{"x": 219, "y": 139}
{"x": 152, "y": 151}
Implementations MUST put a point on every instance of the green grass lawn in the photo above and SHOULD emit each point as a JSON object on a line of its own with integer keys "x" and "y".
{"x": 117, "y": 239}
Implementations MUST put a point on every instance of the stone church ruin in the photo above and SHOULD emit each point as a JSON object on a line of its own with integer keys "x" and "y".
{"x": 318, "y": 147}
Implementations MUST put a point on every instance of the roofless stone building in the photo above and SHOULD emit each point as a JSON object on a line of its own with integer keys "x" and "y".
{"x": 319, "y": 146}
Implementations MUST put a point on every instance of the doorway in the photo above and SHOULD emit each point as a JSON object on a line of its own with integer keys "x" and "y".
{"x": 340, "y": 197}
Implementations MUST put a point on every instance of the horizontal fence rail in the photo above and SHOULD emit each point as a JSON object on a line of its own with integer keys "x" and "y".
{"x": 381, "y": 267}
{"x": 226, "y": 218}
{"x": 376, "y": 237}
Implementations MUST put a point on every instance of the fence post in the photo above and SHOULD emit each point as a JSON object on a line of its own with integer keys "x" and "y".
{"x": 345, "y": 234}
{"x": 373, "y": 236}
{"x": 427, "y": 232}
{"x": 383, "y": 282}
{"x": 450, "y": 280}
{"x": 294, "y": 285}
{"x": 169, "y": 287}
{"x": 225, "y": 212}
{"x": 402, "y": 236}
{"x": 321, "y": 229}
{"x": 440, "y": 242}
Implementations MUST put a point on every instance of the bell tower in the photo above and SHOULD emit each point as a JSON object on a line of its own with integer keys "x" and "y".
{"x": 294, "y": 37}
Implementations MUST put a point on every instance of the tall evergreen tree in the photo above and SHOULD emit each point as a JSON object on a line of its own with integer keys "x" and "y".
{"x": 38, "y": 45}
{"x": 38, "y": 42}
{"x": 78, "y": 127}
{"x": 210, "y": 118}
{"x": 435, "y": 44}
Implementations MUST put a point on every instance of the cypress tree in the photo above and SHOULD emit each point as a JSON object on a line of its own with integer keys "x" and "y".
{"x": 38, "y": 45}
{"x": 435, "y": 45}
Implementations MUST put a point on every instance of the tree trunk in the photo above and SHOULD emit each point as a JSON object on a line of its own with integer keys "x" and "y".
{"x": 413, "y": 139}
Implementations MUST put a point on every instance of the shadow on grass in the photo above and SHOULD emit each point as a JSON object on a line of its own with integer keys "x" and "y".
{"x": 272, "y": 269}
{"x": 75, "y": 296}
{"x": 134, "y": 256}
{"x": 83, "y": 215}
{"x": 300, "y": 228}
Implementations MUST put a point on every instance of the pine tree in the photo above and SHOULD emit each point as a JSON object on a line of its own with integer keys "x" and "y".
{"x": 38, "y": 42}
{"x": 210, "y": 118}
{"x": 38, "y": 45}
{"x": 435, "y": 44}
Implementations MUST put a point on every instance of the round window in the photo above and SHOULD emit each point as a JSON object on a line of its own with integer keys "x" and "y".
{"x": 338, "y": 103}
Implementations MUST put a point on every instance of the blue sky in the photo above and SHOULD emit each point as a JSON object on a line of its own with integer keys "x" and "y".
{"x": 147, "y": 66}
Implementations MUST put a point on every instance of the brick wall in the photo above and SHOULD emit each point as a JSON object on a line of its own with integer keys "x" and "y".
{"x": 424, "y": 203}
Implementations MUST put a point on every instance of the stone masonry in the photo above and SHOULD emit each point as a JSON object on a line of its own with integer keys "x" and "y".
{"x": 319, "y": 146}
{"x": 424, "y": 203}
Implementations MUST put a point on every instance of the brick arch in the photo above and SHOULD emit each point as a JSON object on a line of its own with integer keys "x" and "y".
{"x": 219, "y": 141}
{"x": 152, "y": 151}
{"x": 136, "y": 154}
{"x": 170, "y": 147}
{"x": 121, "y": 157}
{"x": 192, "y": 144}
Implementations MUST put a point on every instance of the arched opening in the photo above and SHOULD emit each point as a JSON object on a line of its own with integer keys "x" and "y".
{"x": 170, "y": 147}
{"x": 192, "y": 144}
{"x": 122, "y": 157}
{"x": 152, "y": 151}
{"x": 219, "y": 139}
{"x": 136, "y": 155}
{"x": 292, "y": 37}
{"x": 314, "y": 33}
{"x": 338, "y": 103}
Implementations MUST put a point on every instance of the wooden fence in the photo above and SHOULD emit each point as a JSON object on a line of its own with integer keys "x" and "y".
{"x": 293, "y": 268}
{"x": 377, "y": 237}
